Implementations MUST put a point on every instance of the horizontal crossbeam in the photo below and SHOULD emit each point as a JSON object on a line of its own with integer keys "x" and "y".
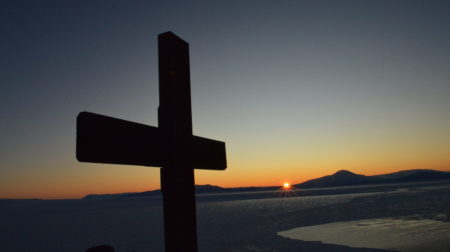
{"x": 103, "y": 139}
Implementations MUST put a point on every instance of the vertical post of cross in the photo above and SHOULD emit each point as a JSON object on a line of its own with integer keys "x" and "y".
{"x": 175, "y": 122}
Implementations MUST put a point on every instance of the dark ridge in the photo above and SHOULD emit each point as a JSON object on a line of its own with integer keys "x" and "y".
{"x": 347, "y": 178}
{"x": 343, "y": 173}
{"x": 340, "y": 178}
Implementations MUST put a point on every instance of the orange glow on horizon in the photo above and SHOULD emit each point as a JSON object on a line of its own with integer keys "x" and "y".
{"x": 287, "y": 186}
{"x": 109, "y": 179}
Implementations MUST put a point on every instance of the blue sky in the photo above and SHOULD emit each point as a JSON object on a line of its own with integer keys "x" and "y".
{"x": 297, "y": 89}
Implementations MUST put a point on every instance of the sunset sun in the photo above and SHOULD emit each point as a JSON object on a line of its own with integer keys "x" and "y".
{"x": 286, "y": 186}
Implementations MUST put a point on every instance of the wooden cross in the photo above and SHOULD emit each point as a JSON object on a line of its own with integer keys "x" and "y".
{"x": 171, "y": 145}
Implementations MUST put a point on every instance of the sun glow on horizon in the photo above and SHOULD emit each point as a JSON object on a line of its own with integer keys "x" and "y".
{"x": 286, "y": 186}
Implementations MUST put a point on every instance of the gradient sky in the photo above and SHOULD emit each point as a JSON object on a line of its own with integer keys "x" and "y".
{"x": 296, "y": 89}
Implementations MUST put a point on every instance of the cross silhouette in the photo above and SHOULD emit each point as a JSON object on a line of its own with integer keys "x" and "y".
{"x": 171, "y": 145}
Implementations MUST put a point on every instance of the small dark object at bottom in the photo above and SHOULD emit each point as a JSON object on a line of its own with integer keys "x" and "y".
{"x": 101, "y": 248}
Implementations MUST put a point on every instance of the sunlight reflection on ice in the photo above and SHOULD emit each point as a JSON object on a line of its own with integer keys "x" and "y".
{"x": 386, "y": 233}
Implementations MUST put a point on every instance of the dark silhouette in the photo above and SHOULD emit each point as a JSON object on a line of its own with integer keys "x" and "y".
{"x": 101, "y": 248}
{"x": 347, "y": 178}
{"x": 103, "y": 139}
{"x": 340, "y": 178}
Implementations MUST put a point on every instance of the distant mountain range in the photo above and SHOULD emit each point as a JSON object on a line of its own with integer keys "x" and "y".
{"x": 198, "y": 189}
{"x": 347, "y": 178}
{"x": 340, "y": 178}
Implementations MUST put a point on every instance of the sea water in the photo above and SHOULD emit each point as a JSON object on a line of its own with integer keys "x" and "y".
{"x": 227, "y": 222}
